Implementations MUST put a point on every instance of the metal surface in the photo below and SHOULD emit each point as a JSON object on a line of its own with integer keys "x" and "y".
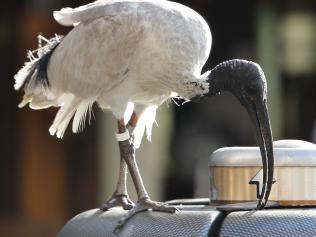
{"x": 189, "y": 222}
{"x": 241, "y": 206}
{"x": 190, "y": 201}
{"x": 270, "y": 223}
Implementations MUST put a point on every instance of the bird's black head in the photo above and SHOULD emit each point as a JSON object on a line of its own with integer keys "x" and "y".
{"x": 247, "y": 82}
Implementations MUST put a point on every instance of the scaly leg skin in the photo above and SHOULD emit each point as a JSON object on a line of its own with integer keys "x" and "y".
{"x": 144, "y": 203}
{"x": 120, "y": 196}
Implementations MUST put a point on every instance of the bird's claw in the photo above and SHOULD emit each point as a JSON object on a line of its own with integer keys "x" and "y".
{"x": 118, "y": 200}
{"x": 144, "y": 205}
{"x": 156, "y": 206}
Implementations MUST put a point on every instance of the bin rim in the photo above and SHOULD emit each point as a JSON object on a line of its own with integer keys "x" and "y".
{"x": 285, "y": 155}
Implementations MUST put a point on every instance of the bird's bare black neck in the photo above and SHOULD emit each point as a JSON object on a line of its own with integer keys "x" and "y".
{"x": 217, "y": 80}
{"x": 226, "y": 76}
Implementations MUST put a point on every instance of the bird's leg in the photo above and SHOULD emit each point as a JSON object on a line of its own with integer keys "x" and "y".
{"x": 120, "y": 196}
{"x": 144, "y": 203}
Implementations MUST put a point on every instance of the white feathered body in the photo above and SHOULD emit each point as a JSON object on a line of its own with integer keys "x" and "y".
{"x": 119, "y": 52}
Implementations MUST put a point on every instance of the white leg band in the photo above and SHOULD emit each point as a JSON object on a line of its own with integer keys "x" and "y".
{"x": 122, "y": 136}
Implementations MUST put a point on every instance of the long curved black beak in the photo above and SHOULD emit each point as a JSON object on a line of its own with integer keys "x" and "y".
{"x": 258, "y": 112}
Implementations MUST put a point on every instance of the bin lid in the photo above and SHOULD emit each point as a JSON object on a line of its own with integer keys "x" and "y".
{"x": 292, "y": 153}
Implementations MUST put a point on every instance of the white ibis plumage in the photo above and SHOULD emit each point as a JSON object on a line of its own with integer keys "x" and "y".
{"x": 141, "y": 52}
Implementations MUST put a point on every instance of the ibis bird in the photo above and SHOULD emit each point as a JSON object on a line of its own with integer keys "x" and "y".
{"x": 139, "y": 53}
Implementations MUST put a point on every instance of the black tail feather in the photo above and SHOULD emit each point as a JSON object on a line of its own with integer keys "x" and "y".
{"x": 35, "y": 71}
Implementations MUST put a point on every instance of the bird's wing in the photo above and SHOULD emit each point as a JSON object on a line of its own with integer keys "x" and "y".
{"x": 98, "y": 53}
{"x": 73, "y": 16}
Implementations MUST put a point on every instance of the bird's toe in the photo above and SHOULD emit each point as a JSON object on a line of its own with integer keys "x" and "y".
{"x": 144, "y": 205}
{"x": 157, "y": 206}
{"x": 121, "y": 200}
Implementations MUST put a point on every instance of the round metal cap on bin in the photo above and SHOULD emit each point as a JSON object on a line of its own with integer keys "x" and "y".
{"x": 236, "y": 173}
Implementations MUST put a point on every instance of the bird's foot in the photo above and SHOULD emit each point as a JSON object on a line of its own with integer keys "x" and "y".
{"x": 144, "y": 205}
{"x": 118, "y": 200}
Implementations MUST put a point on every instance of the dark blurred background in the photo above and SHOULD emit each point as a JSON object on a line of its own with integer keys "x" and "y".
{"x": 45, "y": 181}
